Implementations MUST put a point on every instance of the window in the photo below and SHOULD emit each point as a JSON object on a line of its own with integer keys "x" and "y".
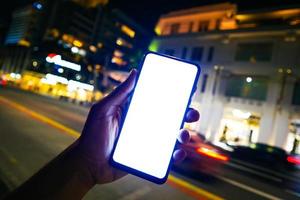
{"x": 218, "y": 24}
{"x": 210, "y": 54}
{"x": 191, "y": 26}
{"x": 184, "y": 51}
{"x": 254, "y": 52}
{"x": 170, "y": 52}
{"x": 174, "y": 28}
{"x": 296, "y": 94}
{"x": 237, "y": 86}
{"x": 204, "y": 81}
{"x": 197, "y": 53}
{"x": 203, "y": 26}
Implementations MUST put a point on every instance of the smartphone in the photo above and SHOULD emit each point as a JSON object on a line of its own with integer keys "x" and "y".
{"x": 155, "y": 115}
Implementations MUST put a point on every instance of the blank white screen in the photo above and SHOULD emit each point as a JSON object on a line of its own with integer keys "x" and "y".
{"x": 155, "y": 114}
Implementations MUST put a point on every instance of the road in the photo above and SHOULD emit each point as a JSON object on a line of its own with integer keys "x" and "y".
{"x": 34, "y": 129}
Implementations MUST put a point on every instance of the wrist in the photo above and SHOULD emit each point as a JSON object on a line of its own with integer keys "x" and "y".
{"x": 83, "y": 170}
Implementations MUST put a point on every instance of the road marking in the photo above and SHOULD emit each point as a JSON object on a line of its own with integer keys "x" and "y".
{"x": 184, "y": 186}
{"x": 283, "y": 176}
{"x": 248, "y": 188}
{"x": 240, "y": 167}
{"x": 40, "y": 117}
{"x": 9, "y": 178}
{"x": 294, "y": 193}
{"x": 191, "y": 189}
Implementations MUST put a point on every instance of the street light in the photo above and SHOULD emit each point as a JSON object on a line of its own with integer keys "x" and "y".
{"x": 248, "y": 79}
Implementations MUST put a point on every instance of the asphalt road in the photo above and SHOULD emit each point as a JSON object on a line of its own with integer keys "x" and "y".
{"x": 28, "y": 141}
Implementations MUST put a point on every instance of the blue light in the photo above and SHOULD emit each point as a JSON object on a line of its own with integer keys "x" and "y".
{"x": 37, "y": 5}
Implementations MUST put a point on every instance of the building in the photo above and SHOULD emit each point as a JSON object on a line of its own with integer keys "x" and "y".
{"x": 81, "y": 41}
{"x": 249, "y": 86}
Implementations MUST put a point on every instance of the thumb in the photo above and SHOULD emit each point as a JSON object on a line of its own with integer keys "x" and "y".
{"x": 118, "y": 96}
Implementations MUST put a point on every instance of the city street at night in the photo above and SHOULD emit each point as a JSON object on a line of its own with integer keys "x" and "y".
{"x": 150, "y": 100}
{"x": 34, "y": 129}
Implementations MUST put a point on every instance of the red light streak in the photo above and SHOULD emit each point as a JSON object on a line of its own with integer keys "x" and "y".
{"x": 293, "y": 160}
{"x": 211, "y": 153}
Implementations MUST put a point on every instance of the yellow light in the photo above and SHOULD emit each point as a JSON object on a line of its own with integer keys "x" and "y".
{"x": 122, "y": 42}
{"x": 65, "y": 37}
{"x": 68, "y": 38}
{"x": 54, "y": 32}
{"x": 93, "y": 48}
{"x": 100, "y": 45}
{"x": 77, "y": 43}
{"x": 119, "y": 42}
{"x": 97, "y": 67}
{"x": 289, "y": 71}
{"x": 34, "y": 63}
{"x": 295, "y": 22}
{"x": 24, "y": 42}
{"x": 118, "y": 53}
{"x": 118, "y": 61}
{"x": 128, "y": 31}
{"x": 157, "y": 30}
{"x": 90, "y": 68}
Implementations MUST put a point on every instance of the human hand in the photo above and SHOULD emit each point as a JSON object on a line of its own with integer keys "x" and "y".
{"x": 102, "y": 127}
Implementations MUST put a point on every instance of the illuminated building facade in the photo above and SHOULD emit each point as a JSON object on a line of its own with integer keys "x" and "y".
{"x": 249, "y": 86}
{"x": 81, "y": 41}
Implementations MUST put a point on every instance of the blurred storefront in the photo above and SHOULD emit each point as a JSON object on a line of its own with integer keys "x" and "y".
{"x": 239, "y": 127}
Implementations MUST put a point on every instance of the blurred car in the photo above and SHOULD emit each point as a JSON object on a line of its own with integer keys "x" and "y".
{"x": 202, "y": 156}
{"x": 266, "y": 156}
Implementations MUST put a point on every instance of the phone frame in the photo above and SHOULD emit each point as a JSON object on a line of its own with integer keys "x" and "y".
{"x": 135, "y": 171}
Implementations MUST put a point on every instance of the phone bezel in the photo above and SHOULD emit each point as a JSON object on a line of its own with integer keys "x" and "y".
{"x": 135, "y": 171}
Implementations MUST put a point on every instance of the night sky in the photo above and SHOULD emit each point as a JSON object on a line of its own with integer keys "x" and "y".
{"x": 146, "y": 12}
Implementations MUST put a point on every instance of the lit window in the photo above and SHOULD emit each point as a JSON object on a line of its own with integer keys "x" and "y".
{"x": 24, "y": 42}
{"x": 118, "y": 53}
{"x": 118, "y": 61}
{"x": 203, "y": 26}
{"x": 128, "y": 31}
{"x": 77, "y": 43}
{"x": 210, "y": 54}
{"x": 93, "y": 48}
{"x": 254, "y": 52}
{"x": 122, "y": 42}
{"x": 174, "y": 28}
{"x": 191, "y": 24}
{"x": 67, "y": 38}
{"x": 246, "y": 87}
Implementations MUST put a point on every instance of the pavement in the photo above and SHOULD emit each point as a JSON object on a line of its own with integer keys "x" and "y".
{"x": 34, "y": 129}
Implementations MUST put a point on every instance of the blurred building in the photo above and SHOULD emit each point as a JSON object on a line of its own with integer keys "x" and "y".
{"x": 249, "y": 85}
{"x": 81, "y": 41}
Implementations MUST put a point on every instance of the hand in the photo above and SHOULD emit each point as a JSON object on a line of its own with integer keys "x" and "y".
{"x": 101, "y": 128}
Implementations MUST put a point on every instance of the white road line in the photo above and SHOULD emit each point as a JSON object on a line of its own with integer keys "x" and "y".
{"x": 248, "y": 188}
{"x": 254, "y": 172}
{"x": 294, "y": 193}
{"x": 281, "y": 175}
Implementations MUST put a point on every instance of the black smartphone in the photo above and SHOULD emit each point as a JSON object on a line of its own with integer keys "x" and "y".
{"x": 155, "y": 115}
